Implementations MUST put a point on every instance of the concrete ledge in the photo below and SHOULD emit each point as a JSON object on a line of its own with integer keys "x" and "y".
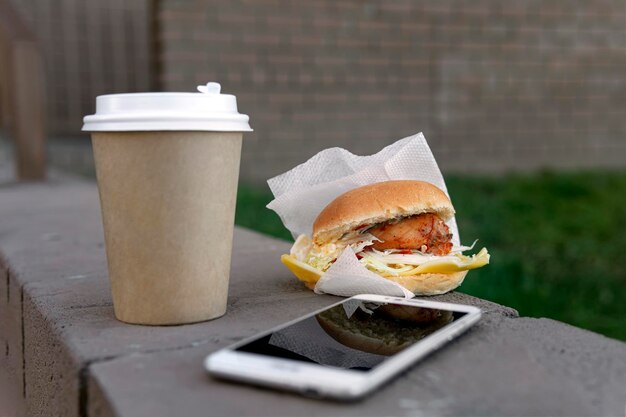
{"x": 503, "y": 366}
{"x": 74, "y": 359}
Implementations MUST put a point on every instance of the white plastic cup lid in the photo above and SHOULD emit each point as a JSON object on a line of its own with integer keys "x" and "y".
{"x": 208, "y": 110}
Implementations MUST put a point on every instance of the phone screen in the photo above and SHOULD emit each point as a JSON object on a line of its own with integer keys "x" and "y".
{"x": 356, "y": 334}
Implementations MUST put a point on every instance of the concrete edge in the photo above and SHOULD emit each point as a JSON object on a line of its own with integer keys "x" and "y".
{"x": 11, "y": 302}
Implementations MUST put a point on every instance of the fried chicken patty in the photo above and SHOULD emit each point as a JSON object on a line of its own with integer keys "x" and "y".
{"x": 424, "y": 232}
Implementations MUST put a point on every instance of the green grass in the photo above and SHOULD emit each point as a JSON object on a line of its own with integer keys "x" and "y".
{"x": 557, "y": 242}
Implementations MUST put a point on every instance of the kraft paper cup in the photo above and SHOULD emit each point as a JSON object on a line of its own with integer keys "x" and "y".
{"x": 168, "y": 206}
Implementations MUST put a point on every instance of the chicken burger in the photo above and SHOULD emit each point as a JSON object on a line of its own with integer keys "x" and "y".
{"x": 396, "y": 229}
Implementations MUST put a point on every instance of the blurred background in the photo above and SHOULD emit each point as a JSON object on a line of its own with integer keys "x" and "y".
{"x": 523, "y": 104}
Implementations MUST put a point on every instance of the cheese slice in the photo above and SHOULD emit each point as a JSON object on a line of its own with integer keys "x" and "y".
{"x": 309, "y": 275}
{"x": 450, "y": 264}
{"x": 304, "y": 272}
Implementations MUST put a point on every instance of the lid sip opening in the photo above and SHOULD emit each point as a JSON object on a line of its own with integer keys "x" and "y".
{"x": 210, "y": 88}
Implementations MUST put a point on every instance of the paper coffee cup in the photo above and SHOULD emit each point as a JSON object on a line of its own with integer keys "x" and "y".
{"x": 167, "y": 166}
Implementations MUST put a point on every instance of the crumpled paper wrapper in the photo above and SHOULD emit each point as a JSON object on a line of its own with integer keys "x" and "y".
{"x": 302, "y": 193}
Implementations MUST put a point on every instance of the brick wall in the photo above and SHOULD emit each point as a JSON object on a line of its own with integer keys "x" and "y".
{"x": 494, "y": 85}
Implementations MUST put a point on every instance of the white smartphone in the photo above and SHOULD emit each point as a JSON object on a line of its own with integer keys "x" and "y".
{"x": 346, "y": 350}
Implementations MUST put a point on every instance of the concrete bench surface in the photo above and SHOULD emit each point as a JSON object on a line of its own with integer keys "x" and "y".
{"x": 73, "y": 358}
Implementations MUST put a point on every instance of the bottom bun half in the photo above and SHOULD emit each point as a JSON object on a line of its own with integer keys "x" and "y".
{"x": 419, "y": 284}
{"x": 424, "y": 284}
{"x": 430, "y": 284}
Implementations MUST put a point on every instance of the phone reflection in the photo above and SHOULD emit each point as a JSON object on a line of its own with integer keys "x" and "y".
{"x": 353, "y": 335}
{"x": 381, "y": 329}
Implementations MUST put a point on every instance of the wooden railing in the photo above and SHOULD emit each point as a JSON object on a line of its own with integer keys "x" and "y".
{"x": 22, "y": 93}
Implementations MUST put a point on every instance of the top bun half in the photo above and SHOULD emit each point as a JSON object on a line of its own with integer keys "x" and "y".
{"x": 377, "y": 203}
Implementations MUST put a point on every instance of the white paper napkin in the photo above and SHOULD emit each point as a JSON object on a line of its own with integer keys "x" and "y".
{"x": 301, "y": 193}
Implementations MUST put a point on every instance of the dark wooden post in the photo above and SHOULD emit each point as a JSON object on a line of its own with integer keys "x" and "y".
{"x": 22, "y": 81}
